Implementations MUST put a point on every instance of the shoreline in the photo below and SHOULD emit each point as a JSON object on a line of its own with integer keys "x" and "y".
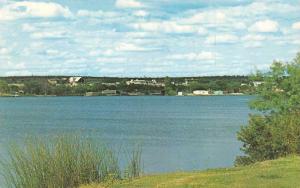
{"x": 39, "y": 96}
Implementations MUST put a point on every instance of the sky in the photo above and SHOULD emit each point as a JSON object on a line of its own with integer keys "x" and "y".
{"x": 146, "y": 37}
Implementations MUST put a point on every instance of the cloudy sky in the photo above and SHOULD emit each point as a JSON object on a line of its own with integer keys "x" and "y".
{"x": 146, "y": 37}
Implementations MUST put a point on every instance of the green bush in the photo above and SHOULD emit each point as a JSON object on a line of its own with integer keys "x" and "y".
{"x": 65, "y": 161}
{"x": 270, "y": 137}
{"x": 275, "y": 132}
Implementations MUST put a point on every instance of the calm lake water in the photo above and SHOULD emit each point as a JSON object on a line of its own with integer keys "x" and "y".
{"x": 176, "y": 133}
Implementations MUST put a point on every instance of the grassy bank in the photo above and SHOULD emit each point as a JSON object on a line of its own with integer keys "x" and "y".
{"x": 284, "y": 172}
{"x": 64, "y": 161}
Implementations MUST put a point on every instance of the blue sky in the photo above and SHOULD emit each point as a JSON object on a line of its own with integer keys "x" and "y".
{"x": 146, "y": 37}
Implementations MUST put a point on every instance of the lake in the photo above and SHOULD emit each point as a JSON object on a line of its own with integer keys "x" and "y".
{"x": 176, "y": 133}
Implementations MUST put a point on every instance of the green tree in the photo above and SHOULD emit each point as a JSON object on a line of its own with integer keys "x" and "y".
{"x": 80, "y": 89}
{"x": 233, "y": 87}
{"x": 170, "y": 88}
{"x": 3, "y": 87}
{"x": 195, "y": 85}
{"x": 35, "y": 87}
{"x": 97, "y": 87}
{"x": 275, "y": 131}
{"x": 61, "y": 90}
{"x": 222, "y": 84}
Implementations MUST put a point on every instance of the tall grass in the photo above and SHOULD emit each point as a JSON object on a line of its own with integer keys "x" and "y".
{"x": 134, "y": 168}
{"x": 62, "y": 162}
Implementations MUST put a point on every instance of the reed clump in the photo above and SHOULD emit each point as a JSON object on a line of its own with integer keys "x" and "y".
{"x": 134, "y": 168}
{"x": 64, "y": 161}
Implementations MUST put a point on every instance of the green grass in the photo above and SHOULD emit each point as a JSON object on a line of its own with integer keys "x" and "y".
{"x": 283, "y": 172}
{"x": 65, "y": 161}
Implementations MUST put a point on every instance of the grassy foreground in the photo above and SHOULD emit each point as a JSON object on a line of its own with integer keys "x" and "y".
{"x": 283, "y": 172}
{"x": 64, "y": 161}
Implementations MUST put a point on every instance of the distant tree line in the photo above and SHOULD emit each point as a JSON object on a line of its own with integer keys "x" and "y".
{"x": 41, "y": 86}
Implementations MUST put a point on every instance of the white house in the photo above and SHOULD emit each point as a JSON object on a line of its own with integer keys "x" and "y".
{"x": 136, "y": 82}
{"x": 201, "y": 92}
{"x": 109, "y": 92}
{"x": 144, "y": 82}
{"x": 180, "y": 93}
{"x": 75, "y": 80}
{"x": 257, "y": 83}
{"x": 218, "y": 92}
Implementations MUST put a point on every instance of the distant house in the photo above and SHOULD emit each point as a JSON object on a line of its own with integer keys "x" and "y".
{"x": 185, "y": 83}
{"x": 111, "y": 84}
{"x": 236, "y": 93}
{"x": 279, "y": 90}
{"x": 109, "y": 92}
{"x": 155, "y": 83}
{"x": 218, "y": 93}
{"x": 75, "y": 80}
{"x": 136, "y": 93}
{"x": 152, "y": 82}
{"x": 136, "y": 82}
{"x": 201, "y": 92}
{"x": 16, "y": 85}
{"x": 52, "y": 81}
{"x": 89, "y": 94}
{"x": 58, "y": 81}
{"x": 257, "y": 83}
{"x": 180, "y": 93}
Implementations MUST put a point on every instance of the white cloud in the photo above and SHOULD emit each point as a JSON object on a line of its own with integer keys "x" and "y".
{"x": 28, "y": 28}
{"x": 127, "y": 47}
{"x": 49, "y": 35}
{"x": 13, "y": 68}
{"x": 296, "y": 26}
{"x": 296, "y": 41}
{"x": 168, "y": 27}
{"x": 111, "y": 60}
{"x": 206, "y": 17}
{"x": 228, "y": 18}
{"x": 224, "y": 38}
{"x": 201, "y": 56}
{"x": 140, "y": 13}
{"x": 202, "y": 31}
{"x": 128, "y": 4}
{"x": 108, "y": 52}
{"x": 264, "y": 26}
{"x": 253, "y": 37}
{"x": 253, "y": 44}
{"x": 27, "y": 9}
{"x": 4, "y": 51}
{"x": 138, "y": 34}
{"x": 271, "y": 6}
{"x": 1, "y": 41}
{"x": 221, "y": 18}
{"x": 239, "y": 25}
{"x": 51, "y": 52}
{"x": 99, "y": 13}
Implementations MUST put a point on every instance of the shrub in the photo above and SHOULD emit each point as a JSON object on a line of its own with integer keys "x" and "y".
{"x": 275, "y": 132}
{"x": 270, "y": 137}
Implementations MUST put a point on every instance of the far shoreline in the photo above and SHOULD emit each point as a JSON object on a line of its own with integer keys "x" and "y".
{"x": 41, "y": 96}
